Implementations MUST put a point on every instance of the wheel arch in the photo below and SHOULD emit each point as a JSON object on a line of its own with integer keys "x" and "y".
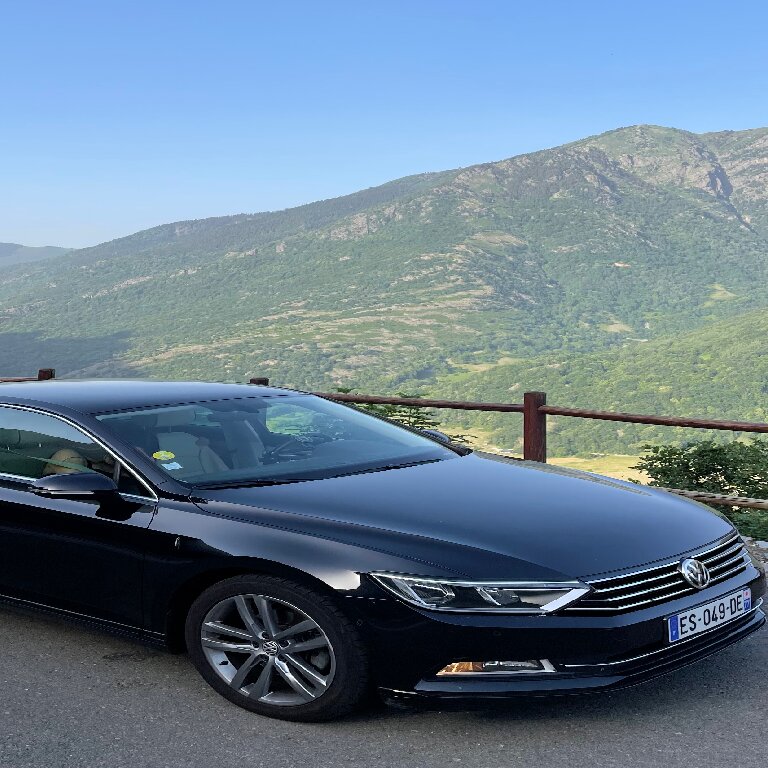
{"x": 187, "y": 592}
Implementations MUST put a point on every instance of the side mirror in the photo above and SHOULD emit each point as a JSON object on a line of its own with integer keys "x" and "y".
{"x": 77, "y": 485}
{"x": 441, "y": 437}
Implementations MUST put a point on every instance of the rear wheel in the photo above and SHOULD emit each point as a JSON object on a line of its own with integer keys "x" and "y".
{"x": 277, "y": 648}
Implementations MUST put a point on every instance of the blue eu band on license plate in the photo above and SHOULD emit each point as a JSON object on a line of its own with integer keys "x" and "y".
{"x": 683, "y": 625}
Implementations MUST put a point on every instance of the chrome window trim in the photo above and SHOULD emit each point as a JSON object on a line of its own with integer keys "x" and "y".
{"x": 70, "y": 422}
{"x": 22, "y": 478}
{"x": 135, "y": 497}
{"x": 25, "y": 479}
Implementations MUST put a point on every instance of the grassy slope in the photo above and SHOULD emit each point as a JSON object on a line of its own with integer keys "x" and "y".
{"x": 610, "y": 465}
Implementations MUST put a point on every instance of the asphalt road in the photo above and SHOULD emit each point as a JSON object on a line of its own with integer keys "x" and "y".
{"x": 75, "y": 697}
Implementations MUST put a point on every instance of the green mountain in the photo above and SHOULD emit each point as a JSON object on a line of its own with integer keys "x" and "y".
{"x": 13, "y": 253}
{"x": 618, "y": 251}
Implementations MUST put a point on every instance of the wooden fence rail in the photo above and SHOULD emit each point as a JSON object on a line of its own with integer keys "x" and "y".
{"x": 42, "y": 375}
{"x": 458, "y": 405}
{"x": 535, "y": 411}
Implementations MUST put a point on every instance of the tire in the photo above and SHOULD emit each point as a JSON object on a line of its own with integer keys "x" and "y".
{"x": 277, "y": 648}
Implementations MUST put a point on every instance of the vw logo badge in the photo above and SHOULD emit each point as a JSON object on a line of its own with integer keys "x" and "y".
{"x": 694, "y": 572}
{"x": 270, "y": 647}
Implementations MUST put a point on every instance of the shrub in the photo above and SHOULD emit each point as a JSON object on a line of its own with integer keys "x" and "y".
{"x": 734, "y": 469}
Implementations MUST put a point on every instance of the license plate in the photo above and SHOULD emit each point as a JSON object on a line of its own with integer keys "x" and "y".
{"x": 681, "y": 626}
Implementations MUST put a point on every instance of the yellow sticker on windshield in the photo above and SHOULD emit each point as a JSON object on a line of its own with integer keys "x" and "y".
{"x": 163, "y": 455}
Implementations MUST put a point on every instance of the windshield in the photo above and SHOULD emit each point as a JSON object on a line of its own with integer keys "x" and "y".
{"x": 264, "y": 440}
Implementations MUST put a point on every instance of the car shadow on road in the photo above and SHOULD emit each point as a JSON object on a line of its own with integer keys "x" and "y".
{"x": 736, "y": 675}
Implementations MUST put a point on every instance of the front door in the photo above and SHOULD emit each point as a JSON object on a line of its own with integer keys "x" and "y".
{"x": 71, "y": 554}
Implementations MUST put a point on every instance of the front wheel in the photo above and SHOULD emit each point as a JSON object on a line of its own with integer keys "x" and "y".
{"x": 277, "y": 648}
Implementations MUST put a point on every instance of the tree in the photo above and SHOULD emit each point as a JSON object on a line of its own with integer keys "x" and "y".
{"x": 412, "y": 416}
{"x": 734, "y": 469}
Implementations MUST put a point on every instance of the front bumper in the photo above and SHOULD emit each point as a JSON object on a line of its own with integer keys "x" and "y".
{"x": 408, "y": 646}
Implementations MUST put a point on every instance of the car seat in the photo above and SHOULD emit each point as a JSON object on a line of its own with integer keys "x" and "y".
{"x": 193, "y": 453}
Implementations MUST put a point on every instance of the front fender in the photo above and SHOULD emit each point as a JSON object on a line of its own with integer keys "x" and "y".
{"x": 190, "y": 548}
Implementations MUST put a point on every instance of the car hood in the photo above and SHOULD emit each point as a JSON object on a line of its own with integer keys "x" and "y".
{"x": 486, "y": 516}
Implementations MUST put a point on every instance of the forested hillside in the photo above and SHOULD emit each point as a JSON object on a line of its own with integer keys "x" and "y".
{"x": 625, "y": 270}
{"x": 713, "y": 372}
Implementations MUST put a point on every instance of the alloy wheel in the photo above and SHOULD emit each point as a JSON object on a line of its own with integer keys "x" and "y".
{"x": 268, "y": 650}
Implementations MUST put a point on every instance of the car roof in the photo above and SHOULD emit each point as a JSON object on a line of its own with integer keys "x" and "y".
{"x": 105, "y": 395}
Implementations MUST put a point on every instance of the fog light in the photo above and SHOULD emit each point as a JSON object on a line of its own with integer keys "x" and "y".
{"x": 497, "y": 667}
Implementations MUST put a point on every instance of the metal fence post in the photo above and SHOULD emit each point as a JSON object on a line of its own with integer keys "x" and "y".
{"x": 534, "y": 427}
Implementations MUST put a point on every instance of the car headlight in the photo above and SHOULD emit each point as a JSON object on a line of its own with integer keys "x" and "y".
{"x": 481, "y": 596}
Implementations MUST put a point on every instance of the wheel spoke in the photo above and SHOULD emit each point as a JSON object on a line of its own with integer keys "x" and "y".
{"x": 296, "y": 629}
{"x": 252, "y": 623}
{"x": 265, "y": 614}
{"x": 224, "y": 629}
{"x": 300, "y": 687}
{"x": 242, "y": 673}
{"x": 306, "y": 670}
{"x": 308, "y": 645}
{"x": 224, "y": 645}
{"x": 263, "y": 682}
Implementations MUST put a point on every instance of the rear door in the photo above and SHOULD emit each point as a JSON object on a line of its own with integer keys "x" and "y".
{"x": 77, "y": 555}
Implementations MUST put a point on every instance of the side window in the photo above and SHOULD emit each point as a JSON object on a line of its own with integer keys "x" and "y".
{"x": 127, "y": 483}
{"x": 36, "y": 445}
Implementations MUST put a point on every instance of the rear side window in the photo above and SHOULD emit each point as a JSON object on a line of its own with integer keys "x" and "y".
{"x": 35, "y": 445}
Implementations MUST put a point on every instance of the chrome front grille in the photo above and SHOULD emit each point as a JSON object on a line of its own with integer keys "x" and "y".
{"x": 639, "y": 589}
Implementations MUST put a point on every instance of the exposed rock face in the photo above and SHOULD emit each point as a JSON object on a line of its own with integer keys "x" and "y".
{"x": 745, "y": 155}
{"x": 665, "y": 156}
{"x": 719, "y": 182}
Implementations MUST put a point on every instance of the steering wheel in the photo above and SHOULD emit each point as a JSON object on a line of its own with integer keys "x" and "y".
{"x": 299, "y": 446}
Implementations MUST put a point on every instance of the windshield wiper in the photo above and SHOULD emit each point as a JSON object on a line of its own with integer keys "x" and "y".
{"x": 385, "y": 467}
{"x": 268, "y": 481}
{"x": 252, "y": 483}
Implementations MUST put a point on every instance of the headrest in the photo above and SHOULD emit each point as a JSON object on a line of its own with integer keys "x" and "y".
{"x": 176, "y": 418}
{"x": 65, "y": 462}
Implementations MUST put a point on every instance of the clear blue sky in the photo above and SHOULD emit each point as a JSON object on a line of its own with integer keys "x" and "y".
{"x": 116, "y": 116}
